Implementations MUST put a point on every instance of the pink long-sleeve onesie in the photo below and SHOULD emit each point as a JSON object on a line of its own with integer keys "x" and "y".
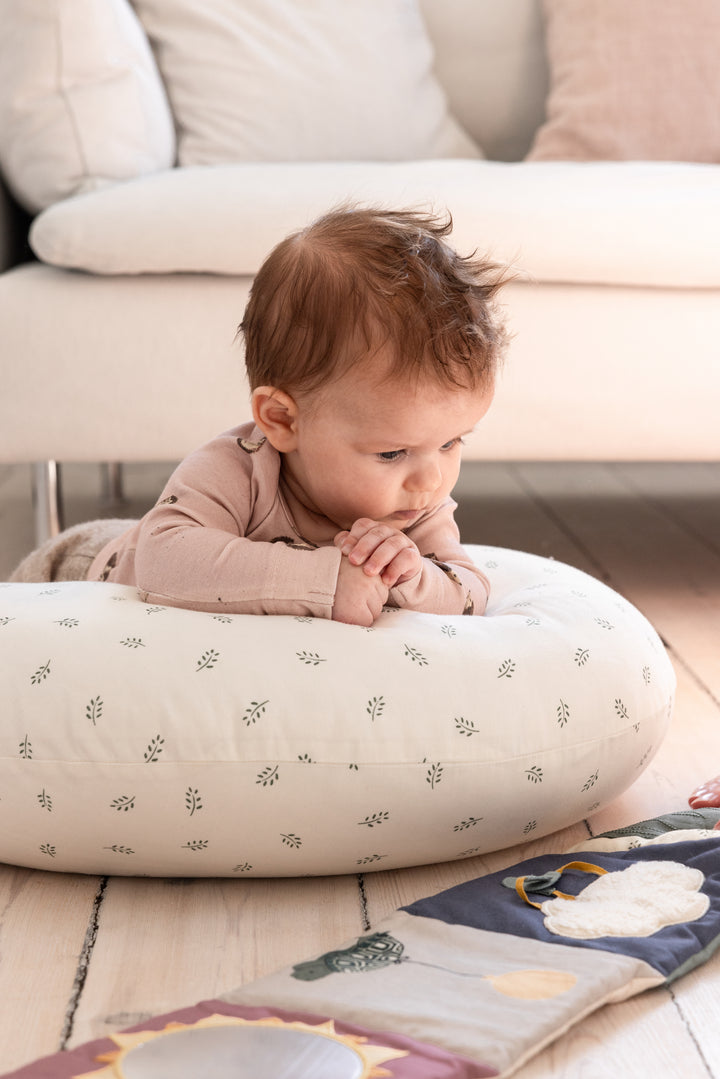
{"x": 228, "y": 536}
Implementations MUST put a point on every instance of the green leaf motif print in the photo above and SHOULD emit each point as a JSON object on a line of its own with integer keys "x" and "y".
{"x": 375, "y": 818}
{"x": 465, "y": 726}
{"x": 45, "y": 800}
{"x": 26, "y": 750}
{"x": 133, "y": 642}
{"x": 506, "y": 669}
{"x": 375, "y": 707}
{"x": 465, "y": 824}
{"x": 154, "y": 749}
{"x": 310, "y": 659}
{"x": 207, "y": 660}
{"x": 94, "y": 710}
{"x": 124, "y": 803}
{"x": 40, "y": 674}
{"x": 591, "y": 782}
{"x": 416, "y": 656}
{"x": 434, "y": 775}
{"x": 193, "y": 801}
{"x": 291, "y": 840}
{"x": 268, "y": 776}
{"x": 196, "y": 844}
{"x": 254, "y": 712}
{"x": 534, "y": 774}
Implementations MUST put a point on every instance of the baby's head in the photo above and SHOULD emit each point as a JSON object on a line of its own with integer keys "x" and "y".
{"x": 359, "y": 280}
{"x": 371, "y": 349}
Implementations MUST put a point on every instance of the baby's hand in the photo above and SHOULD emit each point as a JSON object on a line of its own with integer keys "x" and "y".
{"x": 359, "y": 599}
{"x": 381, "y": 551}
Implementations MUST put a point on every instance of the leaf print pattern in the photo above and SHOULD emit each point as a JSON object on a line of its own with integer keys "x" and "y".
{"x": 375, "y": 707}
{"x": 636, "y": 697}
{"x": 465, "y": 824}
{"x": 434, "y": 775}
{"x": 94, "y": 710}
{"x": 310, "y": 658}
{"x": 207, "y": 660}
{"x": 154, "y": 749}
{"x": 591, "y": 781}
{"x": 416, "y": 656}
{"x": 269, "y": 776}
{"x": 254, "y": 712}
{"x": 40, "y": 674}
{"x": 465, "y": 726}
{"x": 621, "y": 709}
{"x": 45, "y": 800}
{"x": 375, "y": 819}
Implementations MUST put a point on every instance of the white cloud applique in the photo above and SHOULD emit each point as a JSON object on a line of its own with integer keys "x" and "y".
{"x": 634, "y": 902}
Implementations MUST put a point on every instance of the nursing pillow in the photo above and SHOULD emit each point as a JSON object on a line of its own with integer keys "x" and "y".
{"x": 139, "y": 739}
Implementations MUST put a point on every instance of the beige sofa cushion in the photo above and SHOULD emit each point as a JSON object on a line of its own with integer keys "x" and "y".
{"x": 600, "y": 223}
{"x": 632, "y": 79}
{"x": 81, "y": 100}
{"x": 490, "y": 59}
{"x": 301, "y": 80}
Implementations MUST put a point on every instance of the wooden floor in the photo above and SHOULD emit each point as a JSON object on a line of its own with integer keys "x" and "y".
{"x": 82, "y": 956}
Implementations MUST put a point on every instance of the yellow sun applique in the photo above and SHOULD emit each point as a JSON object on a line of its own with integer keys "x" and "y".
{"x": 369, "y": 1056}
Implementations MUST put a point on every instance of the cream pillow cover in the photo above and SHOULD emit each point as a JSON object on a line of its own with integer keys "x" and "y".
{"x": 81, "y": 100}
{"x": 301, "y": 80}
{"x": 145, "y": 739}
{"x": 632, "y": 79}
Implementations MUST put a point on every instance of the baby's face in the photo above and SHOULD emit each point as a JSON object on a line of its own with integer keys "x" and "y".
{"x": 385, "y": 451}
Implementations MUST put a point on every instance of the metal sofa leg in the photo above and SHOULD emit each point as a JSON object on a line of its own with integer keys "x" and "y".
{"x": 47, "y": 500}
{"x": 111, "y": 473}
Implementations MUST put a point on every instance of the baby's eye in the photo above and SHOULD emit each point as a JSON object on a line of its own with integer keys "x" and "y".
{"x": 391, "y": 455}
{"x": 453, "y": 442}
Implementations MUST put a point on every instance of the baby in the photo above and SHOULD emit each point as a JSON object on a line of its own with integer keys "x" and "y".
{"x": 371, "y": 348}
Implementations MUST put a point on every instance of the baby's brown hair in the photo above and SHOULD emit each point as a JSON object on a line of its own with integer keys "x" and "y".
{"x": 358, "y": 279}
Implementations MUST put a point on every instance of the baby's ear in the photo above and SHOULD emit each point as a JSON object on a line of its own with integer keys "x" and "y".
{"x": 275, "y": 413}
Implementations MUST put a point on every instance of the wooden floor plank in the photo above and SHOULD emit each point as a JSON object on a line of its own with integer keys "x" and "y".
{"x": 44, "y": 919}
{"x": 165, "y": 944}
{"x": 643, "y": 1037}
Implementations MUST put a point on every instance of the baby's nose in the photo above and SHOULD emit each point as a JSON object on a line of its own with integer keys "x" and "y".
{"x": 425, "y": 476}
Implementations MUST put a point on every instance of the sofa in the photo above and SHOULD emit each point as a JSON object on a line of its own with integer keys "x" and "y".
{"x": 153, "y": 152}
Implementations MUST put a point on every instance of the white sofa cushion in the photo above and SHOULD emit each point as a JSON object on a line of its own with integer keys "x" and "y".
{"x": 490, "y": 59}
{"x": 150, "y": 739}
{"x": 622, "y": 223}
{"x": 301, "y": 80}
{"x": 81, "y": 100}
